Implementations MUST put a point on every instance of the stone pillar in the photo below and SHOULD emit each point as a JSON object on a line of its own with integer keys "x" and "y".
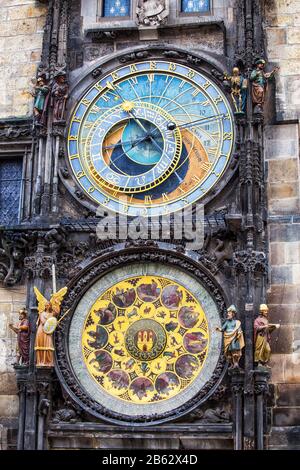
{"x": 261, "y": 377}
{"x": 30, "y": 417}
{"x": 34, "y": 393}
{"x": 237, "y": 387}
{"x": 3, "y": 437}
{"x": 21, "y": 373}
{"x": 44, "y": 377}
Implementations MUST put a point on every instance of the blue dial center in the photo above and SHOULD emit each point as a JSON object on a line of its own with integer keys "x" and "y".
{"x": 146, "y": 142}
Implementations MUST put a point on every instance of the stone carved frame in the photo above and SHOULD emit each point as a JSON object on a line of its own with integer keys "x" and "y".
{"x": 82, "y": 282}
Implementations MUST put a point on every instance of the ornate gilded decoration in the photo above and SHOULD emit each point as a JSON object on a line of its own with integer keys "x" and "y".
{"x": 145, "y": 339}
{"x": 163, "y": 76}
{"x": 47, "y": 323}
{"x": 262, "y": 336}
{"x": 188, "y": 341}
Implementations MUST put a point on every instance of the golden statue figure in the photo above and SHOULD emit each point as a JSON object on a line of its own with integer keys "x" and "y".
{"x": 239, "y": 86}
{"x": 47, "y": 322}
{"x": 262, "y": 330}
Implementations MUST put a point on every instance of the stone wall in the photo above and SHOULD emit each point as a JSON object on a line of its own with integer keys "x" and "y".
{"x": 21, "y": 36}
{"x": 282, "y": 25}
{"x": 282, "y": 20}
{"x": 11, "y": 300}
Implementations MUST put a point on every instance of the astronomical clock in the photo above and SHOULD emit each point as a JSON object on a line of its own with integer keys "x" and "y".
{"x": 150, "y": 138}
{"x": 146, "y": 139}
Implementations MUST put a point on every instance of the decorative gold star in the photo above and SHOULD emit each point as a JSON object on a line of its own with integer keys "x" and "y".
{"x": 127, "y": 106}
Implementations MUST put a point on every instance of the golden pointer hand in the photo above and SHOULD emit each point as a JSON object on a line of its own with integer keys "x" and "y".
{"x": 128, "y": 142}
{"x": 128, "y": 109}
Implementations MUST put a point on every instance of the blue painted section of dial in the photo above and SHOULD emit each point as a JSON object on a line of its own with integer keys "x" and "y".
{"x": 145, "y": 152}
{"x": 120, "y": 163}
{"x": 172, "y": 182}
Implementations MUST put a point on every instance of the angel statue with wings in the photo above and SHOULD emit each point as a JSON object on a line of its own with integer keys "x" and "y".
{"x": 47, "y": 322}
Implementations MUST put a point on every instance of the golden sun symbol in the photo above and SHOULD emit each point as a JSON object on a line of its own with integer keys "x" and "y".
{"x": 127, "y": 105}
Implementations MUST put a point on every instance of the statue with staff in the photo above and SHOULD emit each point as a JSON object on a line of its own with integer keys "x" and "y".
{"x": 259, "y": 79}
{"x": 41, "y": 99}
{"x": 23, "y": 339}
{"x": 233, "y": 337}
{"x": 48, "y": 312}
{"x": 60, "y": 94}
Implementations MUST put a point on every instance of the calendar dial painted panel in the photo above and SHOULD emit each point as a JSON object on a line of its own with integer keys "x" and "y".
{"x": 142, "y": 340}
{"x": 150, "y": 138}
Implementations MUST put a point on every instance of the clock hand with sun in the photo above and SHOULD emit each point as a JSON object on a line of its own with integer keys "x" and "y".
{"x": 128, "y": 107}
{"x": 132, "y": 142}
{"x": 128, "y": 142}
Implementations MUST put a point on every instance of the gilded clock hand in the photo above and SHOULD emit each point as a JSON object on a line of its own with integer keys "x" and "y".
{"x": 173, "y": 125}
{"x": 133, "y": 144}
{"x": 130, "y": 112}
{"x": 127, "y": 142}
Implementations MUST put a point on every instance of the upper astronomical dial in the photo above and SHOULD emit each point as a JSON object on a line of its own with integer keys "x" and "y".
{"x": 145, "y": 141}
{"x": 150, "y": 138}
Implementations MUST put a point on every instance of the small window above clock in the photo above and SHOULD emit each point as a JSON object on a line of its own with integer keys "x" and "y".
{"x": 113, "y": 9}
{"x": 195, "y": 6}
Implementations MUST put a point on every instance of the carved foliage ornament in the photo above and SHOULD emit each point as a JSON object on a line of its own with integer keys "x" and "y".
{"x": 250, "y": 261}
{"x": 15, "y": 131}
{"x": 12, "y": 251}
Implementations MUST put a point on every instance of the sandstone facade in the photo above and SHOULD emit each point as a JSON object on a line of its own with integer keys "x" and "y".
{"x": 283, "y": 179}
{"x": 21, "y": 35}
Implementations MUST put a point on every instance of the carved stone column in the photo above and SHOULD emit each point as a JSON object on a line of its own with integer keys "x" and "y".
{"x": 250, "y": 261}
{"x": 261, "y": 378}
{"x": 21, "y": 373}
{"x": 30, "y": 417}
{"x": 237, "y": 387}
{"x": 38, "y": 270}
{"x": 48, "y": 133}
{"x": 44, "y": 378}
